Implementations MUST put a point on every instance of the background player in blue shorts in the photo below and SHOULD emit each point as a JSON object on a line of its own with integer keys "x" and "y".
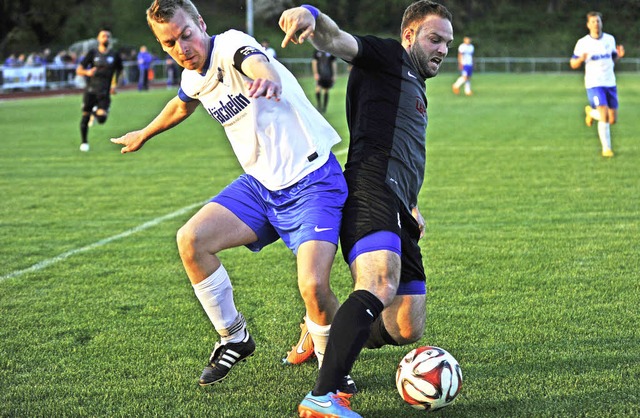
{"x": 599, "y": 53}
{"x": 387, "y": 117}
{"x": 293, "y": 187}
{"x": 465, "y": 64}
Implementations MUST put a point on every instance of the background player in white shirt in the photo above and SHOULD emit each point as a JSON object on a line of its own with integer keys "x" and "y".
{"x": 293, "y": 187}
{"x": 465, "y": 64}
{"x": 598, "y": 52}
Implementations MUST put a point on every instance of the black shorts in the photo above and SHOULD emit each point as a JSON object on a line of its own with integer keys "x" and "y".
{"x": 325, "y": 83}
{"x": 99, "y": 100}
{"x": 370, "y": 208}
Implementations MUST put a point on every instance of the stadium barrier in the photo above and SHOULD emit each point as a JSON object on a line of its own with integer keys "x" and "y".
{"x": 55, "y": 77}
{"x": 302, "y": 66}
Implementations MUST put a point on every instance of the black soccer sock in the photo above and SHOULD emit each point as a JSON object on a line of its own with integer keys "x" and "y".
{"x": 84, "y": 127}
{"x": 379, "y": 335}
{"x": 326, "y": 100}
{"x": 101, "y": 118}
{"x": 318, "y": 100}
{"x": 349, "y": 332}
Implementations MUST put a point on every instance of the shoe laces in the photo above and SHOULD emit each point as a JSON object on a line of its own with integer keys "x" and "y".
{"x": 342, "y": 399}
{"x": 218, "y": 349}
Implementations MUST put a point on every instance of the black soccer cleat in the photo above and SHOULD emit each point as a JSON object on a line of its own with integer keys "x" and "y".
{"x": 348, "y": 386}
{"x": 223, "y": 358}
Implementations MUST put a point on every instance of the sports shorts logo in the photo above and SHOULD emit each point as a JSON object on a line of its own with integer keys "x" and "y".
{"x": 318, "y": 229}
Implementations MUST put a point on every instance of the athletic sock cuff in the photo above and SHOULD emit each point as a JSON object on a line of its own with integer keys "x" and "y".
{"x": 317, "y": 328}
{"x": 369, "y": 300}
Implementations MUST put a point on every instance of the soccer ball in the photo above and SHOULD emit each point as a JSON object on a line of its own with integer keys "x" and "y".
{"x": 428, "y": 378}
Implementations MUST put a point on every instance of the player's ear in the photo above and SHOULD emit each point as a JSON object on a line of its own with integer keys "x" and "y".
{"x": 408, "y": 36}
{"x": 202, "y": 23}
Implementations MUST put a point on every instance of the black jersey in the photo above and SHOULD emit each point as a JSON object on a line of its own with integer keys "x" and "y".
{"x": 107, "y": 65}
{"x": 325, "y": 64}
{"x": 387, "y": 118}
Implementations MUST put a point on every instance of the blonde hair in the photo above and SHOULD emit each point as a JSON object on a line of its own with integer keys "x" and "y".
{"x": 162, "y": 11}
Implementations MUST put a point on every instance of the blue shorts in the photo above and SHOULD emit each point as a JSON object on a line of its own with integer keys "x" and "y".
{"x": 309, "y": 210}
{"x": 467, "y": 70}
{"x": 386, "y": 240}
{"x": 603, "y": 96}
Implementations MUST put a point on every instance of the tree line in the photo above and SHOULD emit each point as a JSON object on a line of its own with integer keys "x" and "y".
{"x": 498, "y": 27}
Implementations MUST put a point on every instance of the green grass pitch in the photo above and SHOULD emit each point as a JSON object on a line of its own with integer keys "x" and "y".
{"x": 532, "y": 255}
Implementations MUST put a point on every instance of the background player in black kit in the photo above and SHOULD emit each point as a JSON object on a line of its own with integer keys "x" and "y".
{"x": 381, "y": 226}
{"x": 324, "y": 68}
{"x": 101, "y": 68}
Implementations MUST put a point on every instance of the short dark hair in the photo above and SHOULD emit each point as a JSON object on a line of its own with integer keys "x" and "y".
{"x": 419, "y": 10}
{"x": 594, "y": 14}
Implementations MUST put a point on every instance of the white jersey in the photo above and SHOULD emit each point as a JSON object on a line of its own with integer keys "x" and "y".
{"x": 598, "y": 68}
{"x": 466, "y": 53}
{"x": 277, "y": 142}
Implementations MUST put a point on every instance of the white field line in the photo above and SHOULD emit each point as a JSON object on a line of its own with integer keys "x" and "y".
{"x": 46, "y": 263}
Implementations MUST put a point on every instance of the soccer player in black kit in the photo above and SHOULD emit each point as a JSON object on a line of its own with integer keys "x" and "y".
{"x": 324, "y": 69}
{"x": 101, "y": 68}
{"x": 381, "y": 225}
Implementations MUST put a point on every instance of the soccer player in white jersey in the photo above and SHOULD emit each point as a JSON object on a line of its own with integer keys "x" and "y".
{"x": 599, "y": 53}
{"x": 465, "y": 64}
{"x": 293, "y": 187}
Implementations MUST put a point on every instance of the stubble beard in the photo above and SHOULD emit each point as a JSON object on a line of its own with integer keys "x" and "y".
{"x": 422, "y": 62}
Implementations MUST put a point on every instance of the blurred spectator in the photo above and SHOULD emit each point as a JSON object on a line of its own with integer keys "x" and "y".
{"x": 34, "y": 60}
{"x": 46, "y": 56}
{"x": 63, "y": 57}
{"x": 144, "y": 66}
{"x": 172, "y": 71}
{"x": 11, "y": 61}
{"x": 271, "y": 53}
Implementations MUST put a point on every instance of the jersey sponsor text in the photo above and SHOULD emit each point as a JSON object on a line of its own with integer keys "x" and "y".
{"x": 230, "y": 108}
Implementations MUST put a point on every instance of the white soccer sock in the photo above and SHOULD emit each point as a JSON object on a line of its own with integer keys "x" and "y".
{"x": 320, "y": 336}
{"x": 215, "y": 294}
{"x": 467, "y": 87}
{"x": 458, "y": 82}
{"x": 604, "y": 132}
{"x": 595, "y": 114}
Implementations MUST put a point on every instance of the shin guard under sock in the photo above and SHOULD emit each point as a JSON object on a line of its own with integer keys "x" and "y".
{"x": 379, "y": 335}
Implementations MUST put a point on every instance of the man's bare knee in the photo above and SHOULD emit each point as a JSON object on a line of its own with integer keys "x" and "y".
{"x": 408, "y": 335}
{"x": 187, "y": 242}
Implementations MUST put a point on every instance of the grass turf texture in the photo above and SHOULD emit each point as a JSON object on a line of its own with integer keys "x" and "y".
{"x": 532, "y": 254}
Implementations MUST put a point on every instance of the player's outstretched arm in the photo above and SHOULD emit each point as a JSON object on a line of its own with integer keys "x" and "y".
{"x": 173, "y": 113}
{"x": 265, "y": 81}
{"x": 299, "y": 24}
